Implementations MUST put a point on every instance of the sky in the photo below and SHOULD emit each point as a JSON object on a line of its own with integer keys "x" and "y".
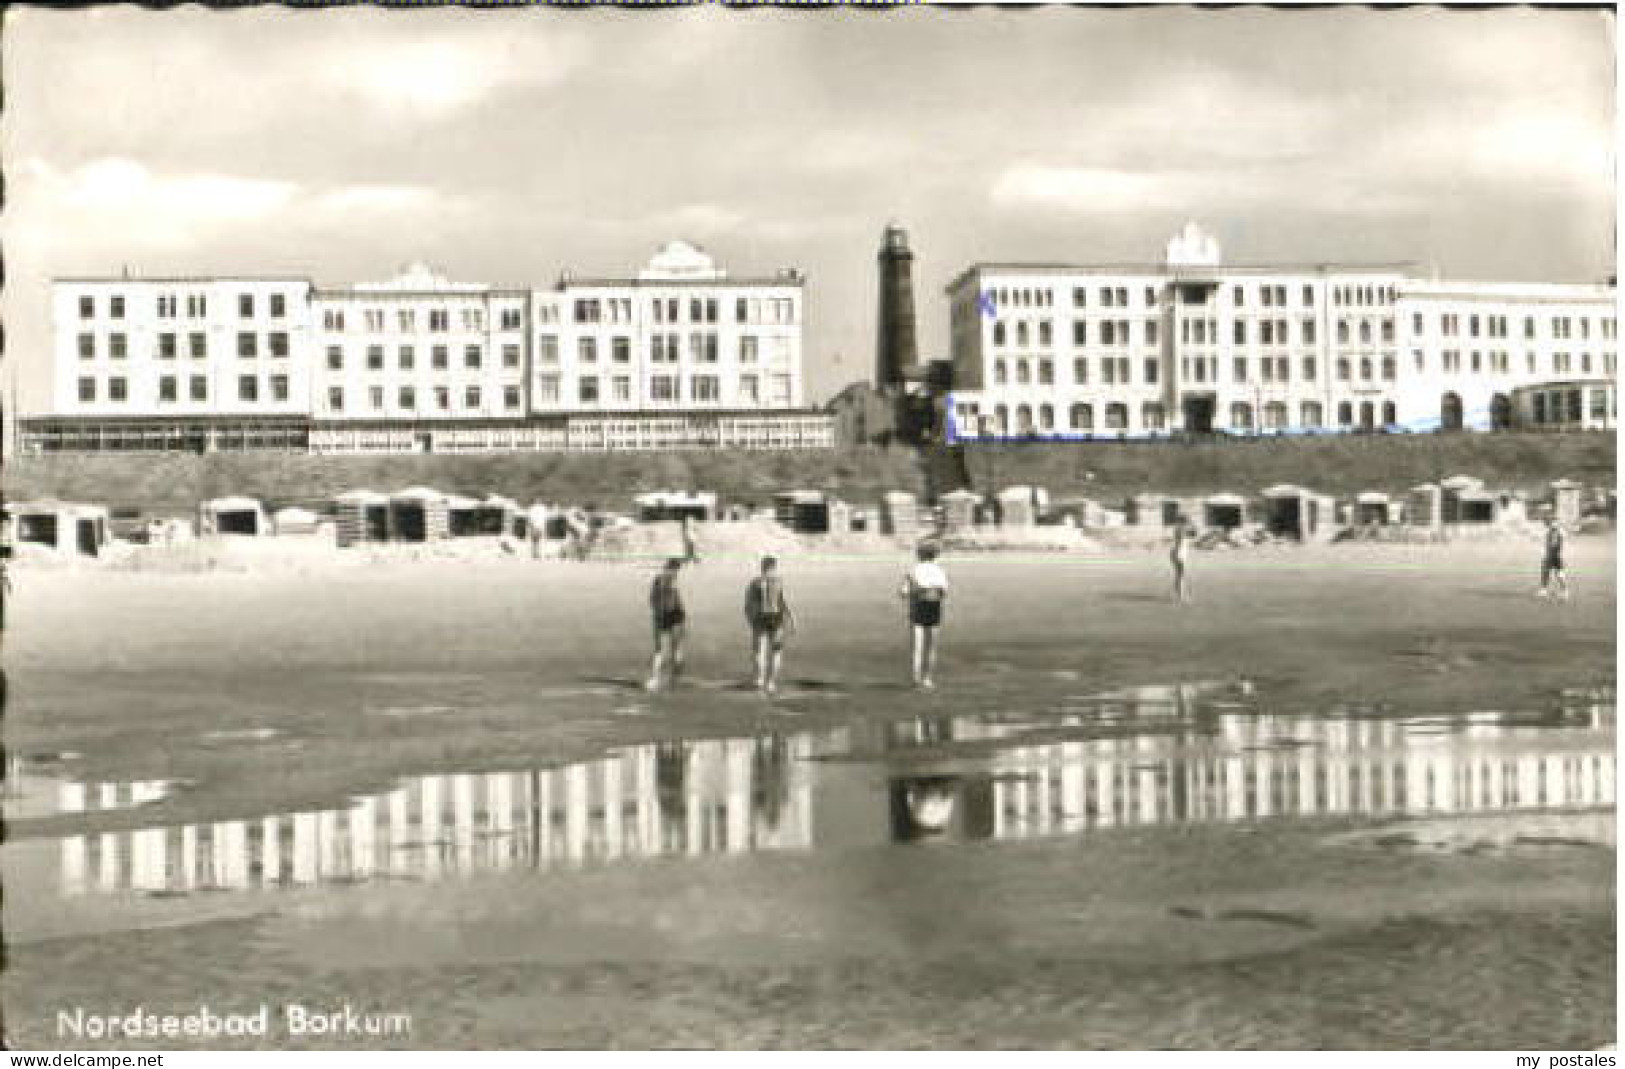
{"x": 506, "y": 146}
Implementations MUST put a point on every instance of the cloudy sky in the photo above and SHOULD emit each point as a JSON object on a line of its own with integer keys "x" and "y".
{"x": 504, "y": 146}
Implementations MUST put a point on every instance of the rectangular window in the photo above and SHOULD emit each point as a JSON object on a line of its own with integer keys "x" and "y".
{"x": 589, "y": 390}
{"x": 117, "y": 346}
{"x": 442, "y": 398}
{"x": 333, "y": 319}
{"x": 547, "y": 389}
{"x": 407, "y": 398}
{"x": 1309, "y": 368}
{"x": 1239, "y": 370}
{"x": 279, "y": 387}
{"x": 587, "y": 350}
{"x": 473, "y": 319}
{"x": 87, "y": 390}
{"x": 586, "y": 311}
{"x": 547, "y": 348}
{"x": 510, "y": 356}
{"x": 747, "y": 349}
{"x": 375, "y": 358}
{"x": 1240, "y": 333}
{"x": 510, "y": 319}
{"x": 166, "y": 346}
{"x": 87, "y": 346}
{"x": 335, "y": 398}
{"x": 87, "y": 310}
{"x": 279, "y": 306}
{"x": 248, "y": 345}
{"x": 198, "y": 343}
{"x": 375, "y": 398}
{"x": 1309, "y": 332}
{"x": 248, "y": 388}
{"x": 1150, "y": 370}
{"x": 197, "y": 306}
{"x": 118, "y": 389}
{"x": 1080, "y": 333}
{"x": 1046, "y": 373}
{"x": 472, "y": 356}
{"x": 168, "y": 389}
{"x": 405, "y": 320}
{"x": 705, "y": 388}
{"x": 439, "y": 320}
{"x": 245, "y": 305}
{"x": 279, "y": 343}
{"x": 200, "y": 388}
{"x": 663, "y": 388}
{"x": 115, "y": 308}
{"x": 750, "y": 389}
{"x": 510, "y": 398}
{"x": 1151, "y": 332}
{"x": 375, "y": 319}
{"x": 166, "y": 306}
{"x": 408, "y": 357}
{"x": 621, "y": 350}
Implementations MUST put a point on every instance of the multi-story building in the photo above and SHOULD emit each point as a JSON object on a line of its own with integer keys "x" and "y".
{"x": 1192, "y": 345}
{"x": 678, "y": 356}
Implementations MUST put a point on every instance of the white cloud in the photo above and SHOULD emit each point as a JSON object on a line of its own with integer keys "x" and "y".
{"x": 1085, "y": 189}
{"x": 128, "y": 190}
{"x": 437, "y": 77}
{"x": 380, "y": 199}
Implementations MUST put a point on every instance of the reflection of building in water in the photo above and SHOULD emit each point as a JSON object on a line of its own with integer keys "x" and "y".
{"x": 725, "y": 795}
{"x": 1273, "y": 766}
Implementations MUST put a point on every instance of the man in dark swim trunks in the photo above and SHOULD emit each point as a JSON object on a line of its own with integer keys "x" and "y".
{"x": 768, "y": 613}
{"x": 1552, "y": 572}
{"x": 925, "y": 588}
{"x": 670, "y": 624}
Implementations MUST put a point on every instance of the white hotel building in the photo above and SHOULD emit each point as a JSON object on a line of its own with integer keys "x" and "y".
{"x": 1191, "y": 345}
{"x": 682, "y": 355}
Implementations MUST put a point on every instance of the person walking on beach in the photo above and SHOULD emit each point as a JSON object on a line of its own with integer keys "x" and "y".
{"x": 925, "y": 589}
{"x": 666, "y": 609}
{"x": 1179, "y": 557}
{"x": 767, "y": 611}
{"x": 691, "y": 551}
{"x": 1553, "y": 575}
{"x": 536, "y": 520}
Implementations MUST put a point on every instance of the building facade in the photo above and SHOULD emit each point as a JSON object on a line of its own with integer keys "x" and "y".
{"x": 1194, "y": 346}
{"x": 679, "y": 356}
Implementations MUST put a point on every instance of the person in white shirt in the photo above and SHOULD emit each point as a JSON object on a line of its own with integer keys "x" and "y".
{"x": 536, "y": 520}
{"x": 925, "y": 589}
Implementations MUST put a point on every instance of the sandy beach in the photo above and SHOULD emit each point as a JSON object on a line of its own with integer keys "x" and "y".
{"x": 289, "y": 688}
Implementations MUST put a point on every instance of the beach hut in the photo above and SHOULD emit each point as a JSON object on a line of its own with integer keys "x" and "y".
{"x": 1152, "y": 510}
{"x": 663, "y": 505}
{"x": 361, "y": 516}
{"x": 1373, "y": 508}
{"x": 959, "y": 509}
{"x": 803, "y": 511}
{"x": 419, "y": 514}
{"x": 1297, "y": 512}
{"x": 1476, "y": 507}
{"x": 1018, "y": 506}
{"x": 900, "y": 514}
{"x": 233, "y": 516}
{"x": 1566, "y": 501}
{"x": 294, "y": 521}
{"x": 501, "y": 516}
{"x": 462, "y": 516}
{"x": 1425, "y": 506}
{"x": 60, "y": 527}
{"x": 841, "y": 517}
{"x": 1224, "y": 511}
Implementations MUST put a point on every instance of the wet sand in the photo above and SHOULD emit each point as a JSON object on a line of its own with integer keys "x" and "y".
{"x": 270, "y": 692}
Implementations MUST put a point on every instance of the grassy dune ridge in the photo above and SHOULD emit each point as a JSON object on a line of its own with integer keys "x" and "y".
{"x": 1105, "y": 470}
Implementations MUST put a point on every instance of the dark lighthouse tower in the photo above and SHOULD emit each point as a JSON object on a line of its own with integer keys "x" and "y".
{"x": 896, "y": 352}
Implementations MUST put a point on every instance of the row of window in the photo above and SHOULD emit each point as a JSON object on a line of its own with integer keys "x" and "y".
{"x": 197, "y": 306}
{"x": 1495, "y": 326}
{"x": 406, "y": 357}
{"x": 248, "y": 388}
{"x": 438, "y": 320}
{"x": 406, "y": 398}
{"x": 197, "y": 345}
{"x": 1276, "y": 415}
{"x": 670, "y": 310}
{"x": 703, "y": 348}
{"x": 669, "y": 389}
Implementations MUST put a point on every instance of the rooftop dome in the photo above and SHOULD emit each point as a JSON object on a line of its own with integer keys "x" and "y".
{"x": 680, "y": 260}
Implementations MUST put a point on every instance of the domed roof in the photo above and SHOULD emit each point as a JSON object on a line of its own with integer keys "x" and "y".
{"x": 680, "y": 259}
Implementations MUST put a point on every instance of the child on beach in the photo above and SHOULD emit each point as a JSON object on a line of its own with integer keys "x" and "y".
{"x": 771, "y": 621}
{"x": 666, "y": 608}
{"x": 925, "y": 589}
